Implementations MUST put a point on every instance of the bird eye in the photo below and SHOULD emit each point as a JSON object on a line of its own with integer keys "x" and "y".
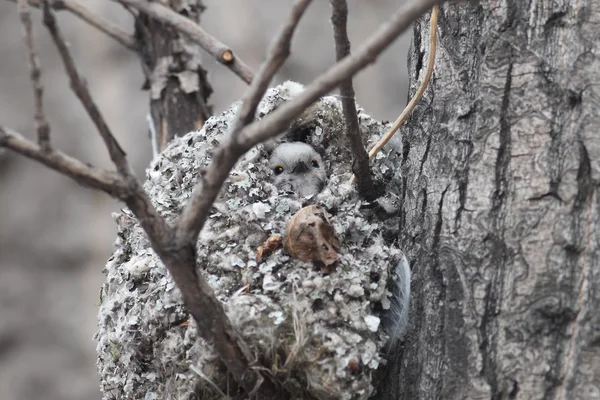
{"x": 278, "y": 169}
{"x": 314, "y": 163}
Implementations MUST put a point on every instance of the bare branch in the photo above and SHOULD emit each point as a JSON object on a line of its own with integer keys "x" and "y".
{"x": 88, "y": 16}
{"x": 212, "y": 322}
{"x": 204, "y": 194}
{"x": 42, "y": 127}
{"x": 279, "y": 52}
{"x": 280, "y": 119}
{"x": 107, "y": 181}
{"x": 102, "y": 25}
{"x": 79, "y": 86}
{"x": 210, "y": 44}
{"x": 360, "y": 164}
{"x": 419, "y": 93}
{"x": 227, "y": 154}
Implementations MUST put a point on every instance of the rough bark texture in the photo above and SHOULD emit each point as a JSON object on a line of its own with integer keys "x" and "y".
{"x": 501, "y": 213}
{"x": 179, "y": 88}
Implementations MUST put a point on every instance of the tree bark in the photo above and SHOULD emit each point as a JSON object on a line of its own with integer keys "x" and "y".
{"x": 501, "y": 213}
{"x": 179, "y": 88}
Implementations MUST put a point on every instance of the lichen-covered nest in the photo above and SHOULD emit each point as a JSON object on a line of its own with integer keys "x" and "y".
{"x": 316, "y": 333}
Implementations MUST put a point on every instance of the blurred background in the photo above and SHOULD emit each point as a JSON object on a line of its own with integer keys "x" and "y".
{"x": 55, "y": 236}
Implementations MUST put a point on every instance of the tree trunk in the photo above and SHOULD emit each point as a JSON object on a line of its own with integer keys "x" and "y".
{"x": 179, "y": 88}
{"x": 501, "y": 213}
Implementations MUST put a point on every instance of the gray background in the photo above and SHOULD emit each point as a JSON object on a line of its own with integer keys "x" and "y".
{"x": 55, "y": 235}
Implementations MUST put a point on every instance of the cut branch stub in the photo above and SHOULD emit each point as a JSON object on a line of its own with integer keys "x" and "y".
{"x": 310, "y": 236}
{"x": 226, "y": 56}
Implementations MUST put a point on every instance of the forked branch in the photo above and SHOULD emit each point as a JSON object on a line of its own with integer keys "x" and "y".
{"x": 225, "y": 156}
{"x": 86, "y": 175}
{"x": 279, "y": 119}
{"x": 79, "y": 86}
{"x": 178, "y": 252}
{"x": 209, "y": 43}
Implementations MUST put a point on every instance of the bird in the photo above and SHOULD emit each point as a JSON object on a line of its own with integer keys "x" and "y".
{"x": 395, "y": 320}
{"x": 297, "y": 167}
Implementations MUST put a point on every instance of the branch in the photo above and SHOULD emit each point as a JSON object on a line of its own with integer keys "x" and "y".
{"x": 195, "y": 214}
{"x": 107, "y": 27}
{"x": 107, "y": 181}
{"x": 210, "y": 44}
{"x": 212, "y": 322}
{"x": 360, "y": 164}
{"x": 226, "y": 155}
{"x": 88, "y": 16}
{"x": 42, "y": 127}
{"x": 279, "y": 119}
{"x": 79, "y": 86}
{"x": 279, "y": 52}
{"x": 419, "y": 93}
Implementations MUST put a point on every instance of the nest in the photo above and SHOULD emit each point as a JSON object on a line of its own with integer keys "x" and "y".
{"x": 316, "y": 332}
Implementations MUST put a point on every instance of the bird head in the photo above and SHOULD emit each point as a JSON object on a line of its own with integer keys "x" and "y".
{"x": 298, "y": 167}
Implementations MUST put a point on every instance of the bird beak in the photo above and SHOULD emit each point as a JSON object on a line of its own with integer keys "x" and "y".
{"x": 300, "y": 168}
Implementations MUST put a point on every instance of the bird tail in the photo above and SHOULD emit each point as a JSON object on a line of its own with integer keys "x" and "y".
{"x": 397, "y": 320}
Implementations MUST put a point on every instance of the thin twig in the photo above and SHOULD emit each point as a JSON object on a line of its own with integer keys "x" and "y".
{"x": 42, "y": 127}
{"x": 279, "y": 51}
{"x": 102, "y": 25}
{"x": 360, "y": 164}
{"x": 91, "y": 18}
{"x": 417, "y": 97}
{"x": 194, "y": 215}
{"x": 79, "y": 86}
{"x": 107, "y": 181}
{"x": 210, "y": 44}
{"x": 226, "y": 155}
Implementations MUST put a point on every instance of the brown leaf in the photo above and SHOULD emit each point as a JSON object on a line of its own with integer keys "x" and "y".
{"x": 310, "y": 236}
{"x": 268, "y": 247}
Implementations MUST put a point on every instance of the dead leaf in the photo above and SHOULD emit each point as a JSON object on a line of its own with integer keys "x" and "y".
{"x": 268, "y": 247}
{"x": 309, "y": 236}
